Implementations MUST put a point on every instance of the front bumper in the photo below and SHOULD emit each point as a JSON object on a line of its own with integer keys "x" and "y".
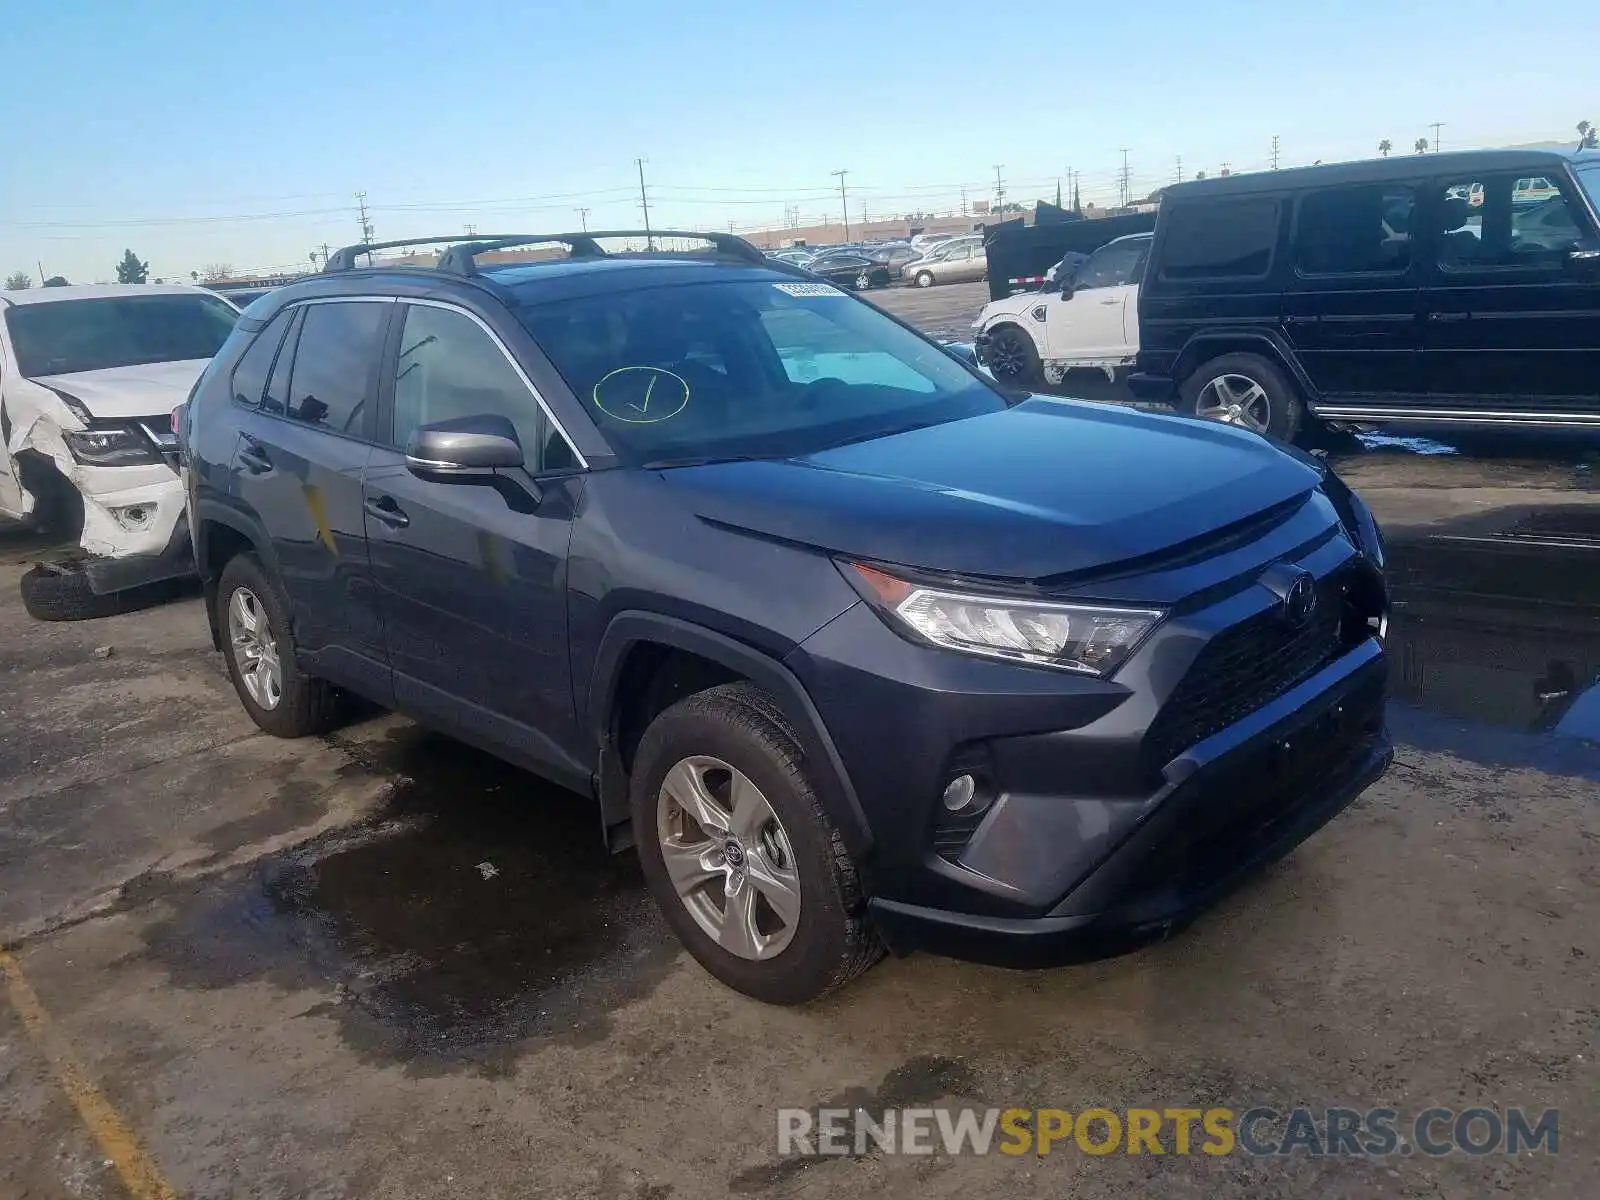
{"x": 175, "y": 560}
{"x": 1234, "y": 804}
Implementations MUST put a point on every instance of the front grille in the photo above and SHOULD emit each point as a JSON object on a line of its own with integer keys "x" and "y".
{"x": 1245, "y": 667}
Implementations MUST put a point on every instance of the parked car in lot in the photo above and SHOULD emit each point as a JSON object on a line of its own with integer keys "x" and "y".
{"x": 89, "y": 376}
{"x": 853, "y": 269}
{"x": 853, "y": 648}
{"x": 954, "y": 263}
{"x": 1438, "y": 288}
{"x": 894, "y": 256}
{"x": 1087, "y": 318}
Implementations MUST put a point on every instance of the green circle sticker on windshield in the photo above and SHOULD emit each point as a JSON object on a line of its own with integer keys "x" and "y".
{"x": 641, "y": 395}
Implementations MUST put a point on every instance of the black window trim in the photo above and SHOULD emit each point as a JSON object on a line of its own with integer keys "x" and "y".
{"x": 583, "y": 463}
{"x": 1276, "y": 199}
{"x": 1416, "y": 185}
{"x": 277, "y": 352}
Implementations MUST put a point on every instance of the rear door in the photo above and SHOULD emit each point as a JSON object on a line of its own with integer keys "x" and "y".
{"x": 1352, "y": 305}
{"x": 1513, "y": 319}
{"x": 472, "y": 577}
{"x": 297, "y": 467}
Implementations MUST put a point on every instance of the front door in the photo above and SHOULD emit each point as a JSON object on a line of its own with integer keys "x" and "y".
{"x": 1098, "y": 320}
{"x": 1513, "y": 319}
{"x": 1351, "y": 308}
{"x": 472, "y": 576}
{"x": 302, "y": 446}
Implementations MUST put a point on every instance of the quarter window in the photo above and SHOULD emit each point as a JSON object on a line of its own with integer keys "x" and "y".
{"x": 448, "y": 367}
{"x": 1220, "y": 240}
{"x": 339, "y": 344}
{"x": 250, "y": 373}
{"x": 1355, "y": 230}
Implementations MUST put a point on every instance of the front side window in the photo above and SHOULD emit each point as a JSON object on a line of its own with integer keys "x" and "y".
{"x": 1516, "y": 226}
{"x": 1111, "y": 266}
{"x": 65, "y": 336}
{"x": 1589, "y": 176}
{"x": 738, "y": 368}
{"x": 448, "y": 367}
{"x": 1355, "y": 230}
{"x": 333, "y": 362}
{"x": 1220, "y": 240}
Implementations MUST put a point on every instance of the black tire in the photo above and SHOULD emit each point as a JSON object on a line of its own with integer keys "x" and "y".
{"x": 833, "y": 940}
{"x": 878, "y": 279}
{"x": 1013, "y": 358}
{"x": 63, "y": 594}
{"x": 1286, "y": 411}
{"x": 307, "y": 705}
{"x": 924, "y": 279}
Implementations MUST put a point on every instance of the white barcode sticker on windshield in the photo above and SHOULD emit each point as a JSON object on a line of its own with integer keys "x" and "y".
{"x": 808, "y": 289}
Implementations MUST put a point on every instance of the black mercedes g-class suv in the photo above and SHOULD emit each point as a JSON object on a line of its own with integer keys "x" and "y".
{"x": 1458, "y": 288}
{"x": 854, "y": 648}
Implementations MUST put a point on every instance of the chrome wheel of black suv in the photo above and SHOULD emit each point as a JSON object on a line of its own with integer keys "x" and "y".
{"x": 1247, "y": 391}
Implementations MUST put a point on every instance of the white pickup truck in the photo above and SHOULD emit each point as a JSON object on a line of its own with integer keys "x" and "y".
{"x": 1088, "y": 319}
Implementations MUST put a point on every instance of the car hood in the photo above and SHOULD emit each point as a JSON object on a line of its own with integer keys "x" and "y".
{"x": 116, "y": 393}
{"x": 1010, "y": 306}
{"x": 1049, "y": 488}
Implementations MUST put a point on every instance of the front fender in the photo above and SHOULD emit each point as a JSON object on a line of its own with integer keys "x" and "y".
{"x": 828, "y": 775}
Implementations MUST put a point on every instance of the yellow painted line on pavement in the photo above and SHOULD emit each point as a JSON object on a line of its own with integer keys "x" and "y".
{"x": 138, "y": 1170}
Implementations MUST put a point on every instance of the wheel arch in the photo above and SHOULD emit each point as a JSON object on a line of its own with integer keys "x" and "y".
{"x": 220, "y": 532}
{"x": 1203, "y": 347}
{"x": 634, "y": 634}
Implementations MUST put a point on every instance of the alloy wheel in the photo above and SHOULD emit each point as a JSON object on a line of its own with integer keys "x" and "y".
{"x": 1006, "y": 358}
{"x": 728, "y": 857}
{"x": 255, "y": 651}
{"x": 1235, "y": 400}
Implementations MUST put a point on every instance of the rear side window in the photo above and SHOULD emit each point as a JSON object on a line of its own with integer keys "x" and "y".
{"x": 1220, "y": 240}
{"x": 339, "y": 343}
{"x": 1355, "y": 230}
{"x": 251, "y": 371}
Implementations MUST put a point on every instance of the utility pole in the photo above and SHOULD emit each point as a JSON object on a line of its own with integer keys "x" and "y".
{"x": 964, "y": 200}
{"x": 1436, "y": 126}
{"x": 583, "y": 217}
{"x": 1126, "y": 178}
{"x": 644, "y": 203}
{"x": 844, "y": 205}
{"x": 366, "y": 223}
{"x": 470, "y": 230}
{"x": 1274, "y": 152}
{"x": 999, "y": 189}
{"x": 1178, "y": 175}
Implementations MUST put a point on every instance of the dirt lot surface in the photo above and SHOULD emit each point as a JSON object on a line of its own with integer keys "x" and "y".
{"x": 379, "y": 964}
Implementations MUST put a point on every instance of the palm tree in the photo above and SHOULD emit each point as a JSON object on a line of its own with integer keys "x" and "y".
{"x": 1421, "y": 146}
{"x": 1385, "y": 146}
{"x": 1588, "y": 138}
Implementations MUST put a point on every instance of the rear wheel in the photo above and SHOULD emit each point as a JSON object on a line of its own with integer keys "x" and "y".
{"x": 739, "y": 854}
{"x": 259, "y": 646}
{"x": 1248, "y": 391}
{"x": 1013, "y": 358}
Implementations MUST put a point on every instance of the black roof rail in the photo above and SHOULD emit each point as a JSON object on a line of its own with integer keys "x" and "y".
{"x": 464, "y": 248}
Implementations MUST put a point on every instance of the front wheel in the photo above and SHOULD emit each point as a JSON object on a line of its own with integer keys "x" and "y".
{"x": 1013, "y": 358}
{"x": 739, "y": 854}
{"x": 924, "y": 279}
{"x": 1245, "y": 390}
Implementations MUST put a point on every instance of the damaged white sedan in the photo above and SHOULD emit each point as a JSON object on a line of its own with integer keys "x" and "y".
{"x": 89, "y": 377}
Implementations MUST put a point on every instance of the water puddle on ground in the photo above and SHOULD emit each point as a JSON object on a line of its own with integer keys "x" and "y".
{"x": 477, "y": 911}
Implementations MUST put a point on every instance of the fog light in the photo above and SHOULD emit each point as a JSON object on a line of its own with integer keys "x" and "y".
{"x": 134, "y": 516}
{"x": 959, "y": 791}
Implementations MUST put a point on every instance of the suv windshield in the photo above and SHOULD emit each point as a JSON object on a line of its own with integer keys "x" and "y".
{"x": 748, "y": 369}
{"x": 61, "y": 337}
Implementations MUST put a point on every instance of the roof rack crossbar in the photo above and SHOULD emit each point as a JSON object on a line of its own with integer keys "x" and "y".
{"x": 464, "y": 248}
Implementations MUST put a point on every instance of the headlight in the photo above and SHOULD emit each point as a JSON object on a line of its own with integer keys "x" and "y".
{"x": 111, "y": 448}
{"x": 1088, "y": 638}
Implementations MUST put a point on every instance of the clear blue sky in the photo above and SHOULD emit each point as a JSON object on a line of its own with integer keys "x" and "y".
{"x": 196, "y": 132}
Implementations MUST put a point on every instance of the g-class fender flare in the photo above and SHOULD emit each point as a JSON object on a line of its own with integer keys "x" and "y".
{"x": 828, "y": 775}
{"x": 1268, "y": 343}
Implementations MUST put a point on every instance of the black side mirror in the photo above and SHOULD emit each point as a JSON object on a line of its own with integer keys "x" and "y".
{"x": 464, "y": 448}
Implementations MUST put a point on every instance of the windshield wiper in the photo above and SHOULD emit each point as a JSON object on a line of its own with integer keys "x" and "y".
{"x": 706, "y": 460}
{"x": 892, "y": 431}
